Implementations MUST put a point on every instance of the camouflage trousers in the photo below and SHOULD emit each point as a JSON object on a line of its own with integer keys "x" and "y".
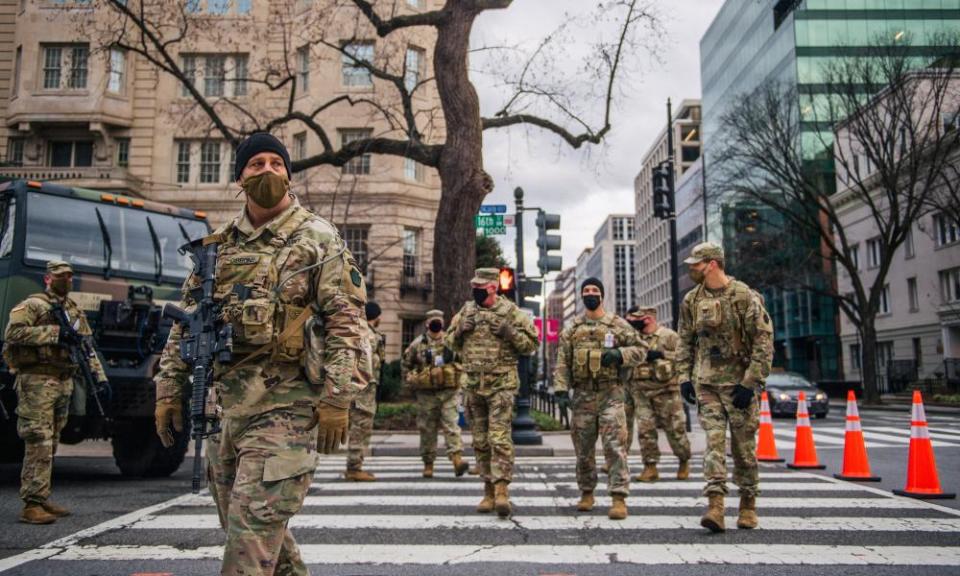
{"x": 658, "y": 409}
{"x": 361, "y": 427}
{"x": 438, "y": 409}
{"x": 491, "y": 421}
{"x": 717, "y": 412}
{"x": 600, "y": 413}
{"x": 42, "y": 407}
{"x": 260, "y": 468}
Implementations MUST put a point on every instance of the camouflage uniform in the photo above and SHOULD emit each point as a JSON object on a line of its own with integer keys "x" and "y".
{"x": 490, "y": 378}
{"x": 437, "y": 386}
{"x": 656, "y": 399}
{"x": 726, "y": 338}
{"x": 264, "y": 458}
{"x": 44, "y": 381}
{"x": 599, "y": 394}
{"x": 364, "y": 406}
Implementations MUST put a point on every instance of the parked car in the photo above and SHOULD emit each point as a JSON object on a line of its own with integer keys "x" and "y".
{"x": 783, "y": 389}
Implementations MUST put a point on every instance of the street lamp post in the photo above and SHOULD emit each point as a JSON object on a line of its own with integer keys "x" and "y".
{"x": 525, "y": 431}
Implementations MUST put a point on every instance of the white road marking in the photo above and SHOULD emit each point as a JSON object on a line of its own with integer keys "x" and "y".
{"x": 415, "y": 477}
{"x": 474, "y": 485}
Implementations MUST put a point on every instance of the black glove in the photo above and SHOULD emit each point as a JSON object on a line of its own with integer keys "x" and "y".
{"x": 654, "y": 355}
{"x": 742, "y": 397}
{"x": 68, "y": 338}
{"x": 688, "y": 392}
{"x": 428, "y": 357}
{"x": 447, "y": 355}
{"x": 611, "y": 357}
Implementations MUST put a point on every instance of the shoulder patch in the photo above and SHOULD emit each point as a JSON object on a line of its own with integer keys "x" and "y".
{"x": 355, "y": 277}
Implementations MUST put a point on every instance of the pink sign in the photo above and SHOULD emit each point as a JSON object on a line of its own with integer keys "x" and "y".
{"x": 553, "y": 329}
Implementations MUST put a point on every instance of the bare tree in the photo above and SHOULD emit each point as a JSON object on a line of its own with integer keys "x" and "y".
{"x": 892, "y": 154}
{"x": 448, "y": 138}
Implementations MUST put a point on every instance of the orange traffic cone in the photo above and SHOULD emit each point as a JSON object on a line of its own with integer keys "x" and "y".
{"x": 856, "y": 465}
{"x": 922, "y": 478}
{"x": 805, "y": 451}
{"x": 766, "y": 443}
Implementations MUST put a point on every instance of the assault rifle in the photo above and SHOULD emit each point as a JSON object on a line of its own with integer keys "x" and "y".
{"x": 205, "y": 339}
{"x": 81, "y": 352}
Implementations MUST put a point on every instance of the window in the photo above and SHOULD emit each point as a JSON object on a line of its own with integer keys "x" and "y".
{"x": 950, "y": 285}
{"x": 356, "y": 240}
{"x": 78, "y": 67}
{"x": 51, "y": 67}
{"x": 16, "y": 71}
{"x": 885, "y": 300}
{"x": 123, "y": 152}
{"x": 303, "y": 69}
{"x": 874, "y": 253}
{"x": 218, "y": 7}
{"x": 115, "y": 82}
{"x": 947, "y": 231}
{"x": 354, "y": 73}
{"x": 214, "y": 75}
{"x": 411, "y": 241}
{"x": 918, "y": 352}
{"x": 8, "y": 215}
{"x": 15, "y": 151}
{"x": 412, "y": 170}
{"x": 414, "y": 68}
{"x": 884, "y": 354}
{"x": 183, "y": 162}
{"x": 415, "y": 3}
{"x": 408, "y": 331}
{"x": 216, "y": 82}
{"x": 189, "y": 67}
{"x": 855, "y": 256}
{"x": 71, "y": 153}
{"x": 241, "y": 71}
{"x": 209, "y": 162}
{"x": 912, "y": 294}
{"x": 361, "y": 164}
{"x": 300, "y": 151}
{"x": 909, "y": 250}
{"x": 855, "y": 357}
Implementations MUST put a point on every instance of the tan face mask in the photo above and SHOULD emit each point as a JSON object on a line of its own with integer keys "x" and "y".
{"x": 266, "y": 189}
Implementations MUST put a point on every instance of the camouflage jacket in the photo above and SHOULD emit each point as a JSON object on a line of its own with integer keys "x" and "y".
{"x": 30, "y": 339}
{"x": 659, "y": 374}
{"x": 583, "y": 343}
{"x": 378, "y": 349}
{"x": 726, "y": 337}
{"x": 294, "y": 261}
{"x": 424, "y": 367}
{"x": 490, "y": 362}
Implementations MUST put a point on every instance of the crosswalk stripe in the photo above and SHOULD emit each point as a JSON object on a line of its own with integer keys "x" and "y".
{"x": 470, "y": 501}
{"x": 527, "y": 486}
{"x": 643, "y": 554}
{"x": 934, "y": 433}
{"x": 406, "y": 475}
{"x": 387, "y": 522}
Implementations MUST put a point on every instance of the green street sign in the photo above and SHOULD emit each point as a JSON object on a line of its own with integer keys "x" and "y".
{"x": 494, "y": 231}
{"x": 488, "y": 221}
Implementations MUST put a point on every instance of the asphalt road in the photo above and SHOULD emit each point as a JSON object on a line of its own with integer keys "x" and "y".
{"x": 403, "y": 524}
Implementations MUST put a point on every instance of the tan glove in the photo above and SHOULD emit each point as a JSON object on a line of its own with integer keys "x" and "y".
{"x": 331, "y": 428}
{"x": 169, "y": 411}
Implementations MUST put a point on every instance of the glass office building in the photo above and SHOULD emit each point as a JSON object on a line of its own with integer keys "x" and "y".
{"x": 790, "y": 41}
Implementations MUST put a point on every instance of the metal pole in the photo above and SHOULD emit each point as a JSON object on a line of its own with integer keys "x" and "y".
{"x": 518, "y": 197}
{"x": 674, "y": 265}
{"x": 524, "y": 429}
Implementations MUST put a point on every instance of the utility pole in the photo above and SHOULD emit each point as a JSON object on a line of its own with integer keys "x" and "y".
{"x": 674, "y": 265}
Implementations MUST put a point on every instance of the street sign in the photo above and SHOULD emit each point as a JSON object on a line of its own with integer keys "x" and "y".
{"x": 493, "y": 209}
{"x": 494, "y": 231}
{"x": 488, "y": 221}
{"x": 509, "y": 220}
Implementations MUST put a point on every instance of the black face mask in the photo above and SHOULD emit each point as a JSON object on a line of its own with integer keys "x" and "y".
{"x": 638, "y": 325}
{"x": 479, "y": 295}
{"x": 435, "y": 326}
{"x": 591, "y": 302}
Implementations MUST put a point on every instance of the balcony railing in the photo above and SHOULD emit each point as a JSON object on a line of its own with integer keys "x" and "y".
{"x": 111, "y": 178}
{"x": 422, "y": 283}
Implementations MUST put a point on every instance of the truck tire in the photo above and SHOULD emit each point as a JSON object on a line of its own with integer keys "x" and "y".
{"x": 138, "y": 452}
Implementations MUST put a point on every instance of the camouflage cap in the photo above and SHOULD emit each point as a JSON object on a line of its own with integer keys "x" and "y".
{"x": 431, "y": 314}
{"x": 703, "y": 252}
{"x": 484, "y": 276}
{"x": 58, "y": 267}
{"x": 647, "y": 311}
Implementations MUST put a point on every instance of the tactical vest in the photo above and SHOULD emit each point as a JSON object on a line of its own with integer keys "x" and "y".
{"x": 483, "y": 352}
{"x": 588, "y": 341}
{"x": 431, "y": 371}
{"x": 46, "y": 358}
{"x": 718, "y": 324}
{"x": 656, "y": 374}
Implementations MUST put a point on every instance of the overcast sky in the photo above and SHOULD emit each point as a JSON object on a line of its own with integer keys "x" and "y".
{"x": 583, "y": 186}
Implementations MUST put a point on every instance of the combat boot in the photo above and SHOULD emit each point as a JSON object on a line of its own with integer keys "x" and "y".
{"x": 748, "y": 513}
{"x": 683, "y": 471}
{"x": 428, "y": 469}
{"x": 359, "y": 476}
{"x": 586, "y": 501}
{"x": 502, "y": 498}
{"x": 474, "y": 470}
{"x": 459, "y": 466}
{"x": 486, "y": 505}
{"x": 618, "y": 511}
{"x": 58, "y": 511}
{"x": 605, "y": 468}
{"x": 649, "y": 473}
{"x": 35, "y": 514}
{"x": 713, "y": 519}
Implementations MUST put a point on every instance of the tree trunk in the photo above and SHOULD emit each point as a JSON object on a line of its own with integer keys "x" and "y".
{"x": 463, "y": 181}
{"x": 868, "y": 362}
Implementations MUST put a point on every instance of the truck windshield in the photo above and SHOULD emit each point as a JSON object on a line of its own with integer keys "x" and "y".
{"x": 68, "y": 229}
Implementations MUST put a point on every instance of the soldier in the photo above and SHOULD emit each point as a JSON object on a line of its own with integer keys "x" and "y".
{"x": 589, "y": 357}
{"x": 434, "y": 373}
{"x": 490, "y": 334}
{"x": 726, "y": 347}
{"x": 364, "y": 406}
{"x": 36, "y": 349}
{"x": 276, "y": 414}
{"x": 656, "y": 396}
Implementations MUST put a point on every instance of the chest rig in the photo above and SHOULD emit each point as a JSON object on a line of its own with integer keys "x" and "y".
{"x": 589, "y": 340}
{"x": 483, "y": 352}
{"x": 718, "y": 321}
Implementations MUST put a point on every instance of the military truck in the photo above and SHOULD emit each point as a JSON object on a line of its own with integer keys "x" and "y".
{"x": 124, "y": 252}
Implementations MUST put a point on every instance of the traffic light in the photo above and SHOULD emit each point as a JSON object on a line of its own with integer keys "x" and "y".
{"x": 528, "y": 288}
{"x": 663, "y": 206}
{"x": 547, "y": 242}
{"x": 507, "y": 285}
